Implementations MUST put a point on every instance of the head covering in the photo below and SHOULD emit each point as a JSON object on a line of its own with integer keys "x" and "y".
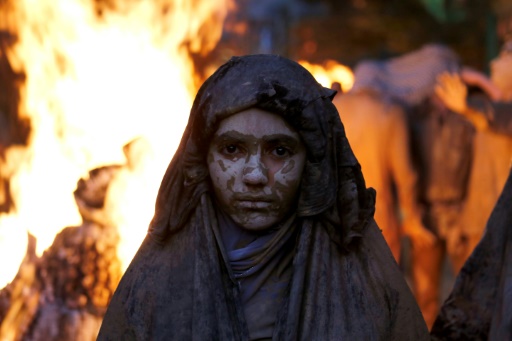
{"x": 409, "y": 78}
{"x": 277, "y": 85}
{"x": 344, "y": 282}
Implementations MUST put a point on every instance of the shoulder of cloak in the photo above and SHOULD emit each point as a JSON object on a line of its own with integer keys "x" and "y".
{"x": 480, "y": 304}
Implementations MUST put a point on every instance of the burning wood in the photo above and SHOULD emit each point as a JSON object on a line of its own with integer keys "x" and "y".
{"x": 63, "y": 294}
{"x": 98, "y": 74}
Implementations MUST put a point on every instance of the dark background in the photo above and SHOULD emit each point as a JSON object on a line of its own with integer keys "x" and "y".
{"x": 350, "y": 30}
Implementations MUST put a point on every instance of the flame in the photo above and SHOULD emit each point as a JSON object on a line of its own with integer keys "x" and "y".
{"x": 96, "y": 78}
{"x": 329, "y": 72}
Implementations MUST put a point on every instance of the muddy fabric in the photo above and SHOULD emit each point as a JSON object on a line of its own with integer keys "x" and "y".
{"x": 442, "y": 152}
{"x": 442, "y": 145}
{"x": 461, "y": 172}
{"x": 480, "y": 304}
{"x": 344, "y": 282}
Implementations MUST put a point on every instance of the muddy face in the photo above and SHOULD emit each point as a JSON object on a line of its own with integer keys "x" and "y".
{"x": 256, "y": 161}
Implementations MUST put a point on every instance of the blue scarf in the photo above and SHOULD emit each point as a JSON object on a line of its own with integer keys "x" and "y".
{"x": 261, "y": 264}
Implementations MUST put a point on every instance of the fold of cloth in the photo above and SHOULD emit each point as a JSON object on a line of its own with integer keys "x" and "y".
{"x": 480, "y": 304}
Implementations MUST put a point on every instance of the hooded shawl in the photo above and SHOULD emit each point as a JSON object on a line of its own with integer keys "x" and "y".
{"x": 344, "y": 281}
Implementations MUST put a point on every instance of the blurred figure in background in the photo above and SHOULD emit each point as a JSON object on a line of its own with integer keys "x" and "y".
{"x": 377, "y": 130}
{"x": 480, "y": 304}
{"x": 441, "y": 148}
{"x": 490, "y": 110}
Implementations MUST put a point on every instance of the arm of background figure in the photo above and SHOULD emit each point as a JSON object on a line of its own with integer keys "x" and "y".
{"x": 484, "y": 114}
{"x": 453, "y": 92}
{"x": 406, "y": 179}
{"x": 476, "y": 78}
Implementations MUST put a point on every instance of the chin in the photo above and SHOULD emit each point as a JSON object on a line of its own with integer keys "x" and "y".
{"x": 257, "y": 223}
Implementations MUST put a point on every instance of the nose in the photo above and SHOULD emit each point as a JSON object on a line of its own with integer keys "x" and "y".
{"x": 255, "y": 172}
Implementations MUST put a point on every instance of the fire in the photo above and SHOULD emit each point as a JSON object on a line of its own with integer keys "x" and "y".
{"x": 97, "y": 77}
{"x": 330, "y": 72}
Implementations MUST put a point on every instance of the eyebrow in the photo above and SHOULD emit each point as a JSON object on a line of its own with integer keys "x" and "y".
{"x": 273, "y": 138}
{"x": 288, "y": 140}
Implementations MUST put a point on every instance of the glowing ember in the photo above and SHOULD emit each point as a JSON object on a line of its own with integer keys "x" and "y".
{"x": 331, "y": 72}
{"x": 95, "y": 82}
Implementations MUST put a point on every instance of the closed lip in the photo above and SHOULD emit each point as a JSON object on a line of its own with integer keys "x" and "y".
{"x": 253, "y": 201}
{"x": 252, "y": 204}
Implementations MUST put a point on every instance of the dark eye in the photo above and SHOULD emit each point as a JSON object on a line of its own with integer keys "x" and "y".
{"x": 281, "y": 151}
{"x": 230, "y": 149}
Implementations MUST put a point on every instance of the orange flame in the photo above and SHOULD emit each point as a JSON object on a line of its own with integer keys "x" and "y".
{"x": 330, "y": 72}
{"x": 94, "y": 82}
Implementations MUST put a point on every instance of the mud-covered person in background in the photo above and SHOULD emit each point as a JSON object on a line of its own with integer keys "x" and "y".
{"x": 492, "y": 111}
{"x": 487, "y": 103}
{"x": 480, "y": 304}
{"x": 263, "y": 226}
{"x": 442, "y": 146}
{"x": 376, "y": 127}
{"x": 441, "y": 149}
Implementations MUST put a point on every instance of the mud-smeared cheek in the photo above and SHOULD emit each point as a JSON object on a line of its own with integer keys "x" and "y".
{"x": 275, "y": 171}
{"x": 279, "y": 189}
{"x": 230, "y": 184}
{"x": 286, "y": 190}
{"x": 222, "y": 165}
{"x": 288, "y": 167}
{"x": 287, "y": 174}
